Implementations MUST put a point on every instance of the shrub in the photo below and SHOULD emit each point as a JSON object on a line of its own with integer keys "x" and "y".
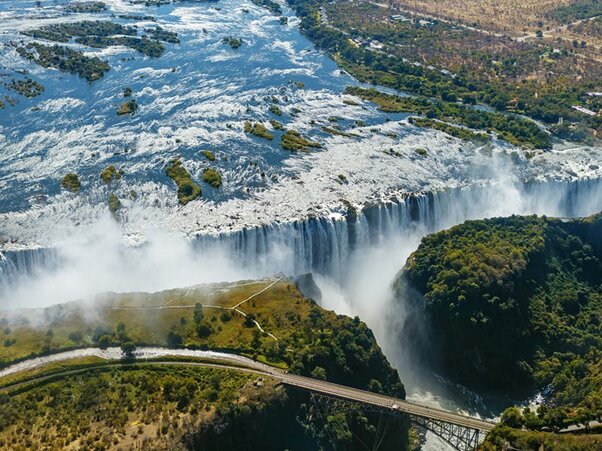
{"x": 71, "y": 182}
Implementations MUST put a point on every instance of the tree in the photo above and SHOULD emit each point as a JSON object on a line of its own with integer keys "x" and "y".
{"x": 104, "y": 342}
{"x": 198, "y": 313}
{"x": 204, "y": 330}
{"x": 513, "y": 418}
{"x": 76, "y": 336}
{"x": 128, "y": 348}
{"x": 174, "y": 339}
{"x": 319, "y": 373}
{"x": 375, "y": 386}
{"x": 249, "y": 320}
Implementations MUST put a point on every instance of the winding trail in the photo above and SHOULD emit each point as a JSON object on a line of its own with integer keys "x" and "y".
{"x": 235, "y": 308}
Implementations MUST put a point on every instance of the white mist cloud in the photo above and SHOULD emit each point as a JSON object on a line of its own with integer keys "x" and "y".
{"x": 97, "y": 260}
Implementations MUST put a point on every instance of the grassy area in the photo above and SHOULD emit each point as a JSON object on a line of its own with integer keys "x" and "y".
{"x": 203, "y": 317}
{"x": 208, "y": 154}
{"x": 103, "y": 34}
{"x": 519, "y": 132}
{"x": 292, "y": 140}
{"x": 457, "y": 132}
{"x": 187, "y": 189}
{"x": 128, "y": 107}
{"x": 270, "y": 5}
{"x": 26, "y": 87}
{"x": 65, "y": 59}
{"x": 148, "y": 406}
{"x": 111, "y": 173}
{"x": 114, "y": 203}
{"x": 277, "y": 310}
{"x": 212, "y": 177}
{"x": 71, "y": 182}
{"x": 504, "y": 437}
{"x": 86, "y": 7}
{"x": 49, "y": 369}
{"x": 512, "y": 16}
{"x": 258, "y": 129}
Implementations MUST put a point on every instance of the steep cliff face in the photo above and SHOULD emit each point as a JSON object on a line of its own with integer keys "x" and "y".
{"x": 513, "y": 303}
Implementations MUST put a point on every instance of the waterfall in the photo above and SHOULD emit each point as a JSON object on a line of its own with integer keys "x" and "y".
{"x": 325, "y": 245}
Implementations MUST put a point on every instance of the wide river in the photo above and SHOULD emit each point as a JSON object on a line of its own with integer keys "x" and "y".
{"x": 196, "y": 97}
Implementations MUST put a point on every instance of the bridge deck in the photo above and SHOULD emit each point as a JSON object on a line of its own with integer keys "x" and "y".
{"x": 374, "y": 399}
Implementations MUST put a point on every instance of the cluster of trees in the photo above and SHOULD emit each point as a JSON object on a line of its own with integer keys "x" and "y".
{"x": 582, "y": 9}
{"x": 65, "y": 59}
{"x": 100, "y": 408}
{"x": 270, "y": 5}
{"x": 187, "y": 189}
{"x": 513, "y": 129}
{"x": 516, "y": 303}
{"x": 346, "y": 353}
{"x": 102, "y": 34}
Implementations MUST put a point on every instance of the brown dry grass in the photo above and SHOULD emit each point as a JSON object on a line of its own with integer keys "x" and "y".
{"x": 515, "y": 17}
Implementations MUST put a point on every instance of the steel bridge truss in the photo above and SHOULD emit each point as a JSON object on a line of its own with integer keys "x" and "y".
{"x": 459, "y": 437}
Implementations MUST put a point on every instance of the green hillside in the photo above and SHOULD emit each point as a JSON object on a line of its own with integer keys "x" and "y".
{"x": 516, "y": 304}
{"x": 160, "y": 406}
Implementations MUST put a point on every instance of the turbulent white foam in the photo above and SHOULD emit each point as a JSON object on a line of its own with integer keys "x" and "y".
{"x": 60, "y": 105}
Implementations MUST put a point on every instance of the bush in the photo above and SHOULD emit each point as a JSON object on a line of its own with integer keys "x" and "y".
{"x": 212, "y": 177}
{"x": 128, "y": 348}
{"x": 71, "y": 182}
{"x": 204, "y": 330}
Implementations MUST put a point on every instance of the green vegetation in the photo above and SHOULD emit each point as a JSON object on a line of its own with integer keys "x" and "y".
{"x": 102, "y": 34}
{"x": 86, "y": 7}
{"x": 208, "y": 154}
{"x": 160, "y": 34}
{"x": 137, "y": 17}
{"x": 457, "y": 132}
{"x": 519, "y": 131}
{"x": 111, "y": 173}
{"x": 114, "y": 203}
{"x": 65, "y": 59}
{"x": 516, "y": 303}
{"x": 275, "y": 109}
{"x": 277, "y": 125}
{"x": 136, "y": 404}
{"x": 106, "y": 407}
{"x": 582, "y": 9}
{"x": 212, "y": 177}
{"x": 187, "y": 189}
{"x": 142, "y": 406}
{"x": 233, "y": 42}
{"x": 26, "y": 87}
{"x": 64, "y": 32}
{"x": 292, "y": 140}
{"x": 270, "y": 5}
{"x": 336, "y": 131}
{"x": 258, "y": 129}
{"x": 71, "y": 182}
{"x": 503, "y": 437}
{"x": 305, "y": 333}
{"x": 449, "y": 64}
{"x": 128, "y": 107}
